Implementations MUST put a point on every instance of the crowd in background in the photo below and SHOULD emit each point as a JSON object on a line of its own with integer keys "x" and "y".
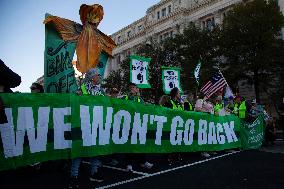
{"x": 217, "y": 105}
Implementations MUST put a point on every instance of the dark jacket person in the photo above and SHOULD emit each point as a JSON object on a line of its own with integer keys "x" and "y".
{"x": 8, "y": 79}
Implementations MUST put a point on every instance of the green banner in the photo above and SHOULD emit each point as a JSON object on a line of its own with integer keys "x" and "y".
{"x": 59, "y": 75}
{"x": 44, "y": 127}
{"x": 253, "y": 134}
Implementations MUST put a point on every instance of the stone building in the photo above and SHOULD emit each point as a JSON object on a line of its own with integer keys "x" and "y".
{"x": 166, "y": 19}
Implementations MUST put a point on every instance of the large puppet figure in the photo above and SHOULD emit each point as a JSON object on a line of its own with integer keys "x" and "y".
{"x": 90, "y": 42}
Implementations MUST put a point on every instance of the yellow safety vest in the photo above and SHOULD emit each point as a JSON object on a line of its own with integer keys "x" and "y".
{"x": 190, "y": 105}
{"x": 176, "y": 107}
{"x": 84, "y": 89}
{"x": 242, "y": 110}
{"x": 138, "y": 98}
{"x": 236, "y": 109}
{"x": 218, "y": 107}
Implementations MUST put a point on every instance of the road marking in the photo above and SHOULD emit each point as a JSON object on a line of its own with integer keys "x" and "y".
{"x": 120, "y": 169}
{"x": 165, "y": 171}
{"x": 125, "y": 170}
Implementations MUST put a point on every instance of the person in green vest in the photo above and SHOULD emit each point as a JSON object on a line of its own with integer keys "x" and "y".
{"x": 92, "y": 83}
{"x": 91, "y": 86}
{"x": 189, "y": 102}
{"x": 218, "y": 105}
{"x": 243, "y": 109}
{"x": 175, "y": 104}
{"x": 133, "y": 94}
{"x": 240, "y": 108}
{"x": 174, "y": 101}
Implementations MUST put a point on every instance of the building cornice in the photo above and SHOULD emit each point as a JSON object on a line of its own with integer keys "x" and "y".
{"x": 157, "y": 5}
{"x": 203, "y": 5}
{"x": 180, "y": 11}
{"x": 151, "y": 24}
{"x": 164, "y": 19}
{"x": 135, "y": 36}
{"x": 129, "y": 26}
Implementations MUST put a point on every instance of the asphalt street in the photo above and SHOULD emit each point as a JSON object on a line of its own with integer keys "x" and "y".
{"x": 240, "y": 169}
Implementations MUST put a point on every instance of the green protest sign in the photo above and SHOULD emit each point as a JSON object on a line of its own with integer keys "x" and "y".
{"x": 102, "y": 63}
{"x": 59, "y": 75}
{"x": 253, "y": 134}
{"x": 171, "y": 79}
{"x": 139, "y": 67}
{"x": 44, "y": 127}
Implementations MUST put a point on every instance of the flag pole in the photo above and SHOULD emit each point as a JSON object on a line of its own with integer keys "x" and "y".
{"x": 223, "y": 76}
{"x": 227, "y": 85}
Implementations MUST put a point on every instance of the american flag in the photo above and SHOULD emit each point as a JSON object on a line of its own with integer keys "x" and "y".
{"x": 216, "y": 83}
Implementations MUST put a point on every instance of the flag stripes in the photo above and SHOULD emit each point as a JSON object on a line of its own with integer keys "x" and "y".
{"x": 216, "y": 83}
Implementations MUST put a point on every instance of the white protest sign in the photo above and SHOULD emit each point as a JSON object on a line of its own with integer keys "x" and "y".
{"x": 171, "y": 79}
{"x": 139, "y": 71}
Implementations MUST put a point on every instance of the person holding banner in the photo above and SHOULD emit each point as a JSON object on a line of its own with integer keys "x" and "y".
{"x": 164, "y": 100}
{"x": 188, "y": 104}
{"x": 202, "y": 105}
{"x": 240, "y": 108}
{"x": 174, "y": 102}
{"x": 134, "y": 95}
{"x": 91, "y": 86}
{"x": 219, "y": 106}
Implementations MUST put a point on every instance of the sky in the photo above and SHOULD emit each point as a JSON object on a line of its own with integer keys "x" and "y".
{"x": 22, "y": 32}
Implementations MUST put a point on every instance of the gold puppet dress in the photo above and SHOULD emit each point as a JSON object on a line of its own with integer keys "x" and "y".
{"x": 90, "y": 41}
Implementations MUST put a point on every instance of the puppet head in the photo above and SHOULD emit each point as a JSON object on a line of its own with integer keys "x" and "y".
{"x": 93, "y": 14}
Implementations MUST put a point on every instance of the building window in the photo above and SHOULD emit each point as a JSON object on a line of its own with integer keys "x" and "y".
{"x": 164, "y": 12}
{"x": 171, "y": 34}
{"x": 161, "y": 38}
{"x": 203, "y": 25}
{"x": 169, "y": 9}
{"x": 210, "y": 23}
{"x": 158, "y": 15}
{"x": 166, "y": 35}
{"x": 128, "y": 33}
{"x": 119, "y": 39}
{"x": 139, "y": 27}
